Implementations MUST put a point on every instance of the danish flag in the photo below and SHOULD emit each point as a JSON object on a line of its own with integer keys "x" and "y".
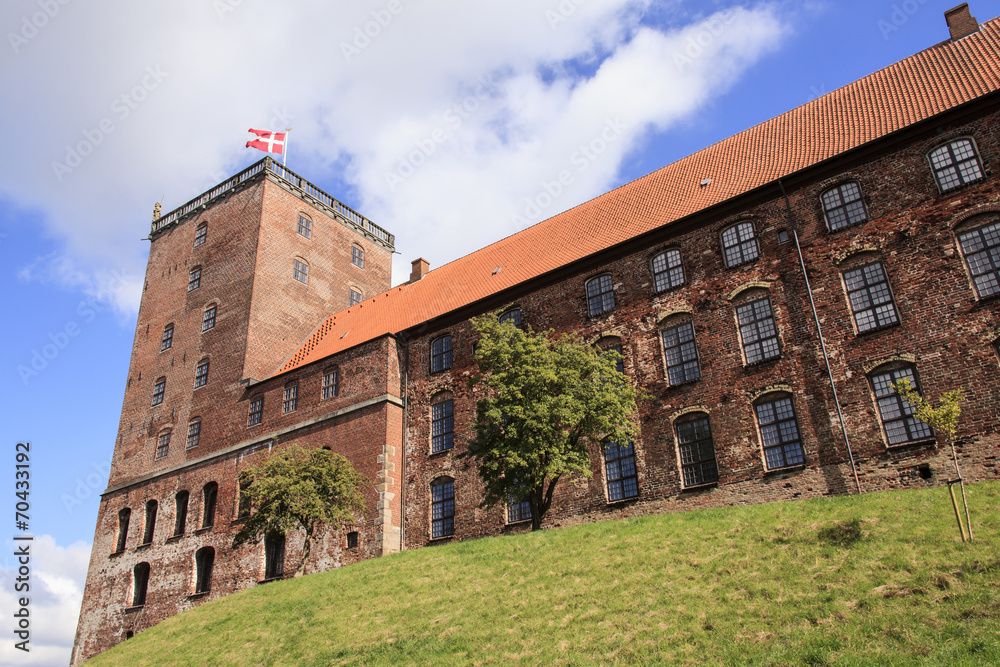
{"x": 269, "y": 142}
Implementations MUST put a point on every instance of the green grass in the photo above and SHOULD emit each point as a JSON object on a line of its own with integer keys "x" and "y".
{"x": 881, "y": 579}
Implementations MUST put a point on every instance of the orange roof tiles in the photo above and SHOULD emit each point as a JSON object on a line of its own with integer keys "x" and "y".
{"x": 923, "y": 85}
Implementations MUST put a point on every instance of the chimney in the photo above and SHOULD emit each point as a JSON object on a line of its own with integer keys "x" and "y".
{"x": 961, "y": 22}
{"x": 420, "y": 268}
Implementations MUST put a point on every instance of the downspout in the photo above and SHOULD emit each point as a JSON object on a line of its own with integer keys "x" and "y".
{"x": 402, "y": 455}
{"x": 819, "y": 331}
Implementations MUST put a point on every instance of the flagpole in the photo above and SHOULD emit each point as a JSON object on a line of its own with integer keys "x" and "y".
{"x": 284, "y": 149}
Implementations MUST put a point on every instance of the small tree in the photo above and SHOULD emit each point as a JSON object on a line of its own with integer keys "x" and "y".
{"x": 298, "y": 488}
{"x": 943, "y": 419}
{"x": 541, "y": 399}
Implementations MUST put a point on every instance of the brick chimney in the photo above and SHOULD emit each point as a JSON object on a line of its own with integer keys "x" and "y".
{"x": 961, "y": 22}
{"x": 419, "y": 270}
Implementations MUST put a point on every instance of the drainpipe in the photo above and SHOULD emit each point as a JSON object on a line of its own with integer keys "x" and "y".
{"x": 402, "y": 455}
{"x": 819, "y": 331}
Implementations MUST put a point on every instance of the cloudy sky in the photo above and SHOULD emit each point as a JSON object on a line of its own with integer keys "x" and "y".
{"x": 442, "y": 121}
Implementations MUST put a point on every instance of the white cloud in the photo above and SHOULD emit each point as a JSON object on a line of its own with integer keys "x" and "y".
{"x": 57, "y": 577}
{"x": 159, "y": 98}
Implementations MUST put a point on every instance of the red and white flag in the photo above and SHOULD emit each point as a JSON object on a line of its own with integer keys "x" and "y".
{"x": 269, "y": 142}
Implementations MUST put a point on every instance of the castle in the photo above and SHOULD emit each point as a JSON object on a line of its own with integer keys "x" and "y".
{"x": 766, "y": 291}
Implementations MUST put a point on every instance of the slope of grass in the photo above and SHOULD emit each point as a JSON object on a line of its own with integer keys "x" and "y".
{"x": 875, "y": 579}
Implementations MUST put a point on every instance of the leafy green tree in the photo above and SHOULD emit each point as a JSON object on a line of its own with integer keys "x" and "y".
{"x": 541, "y": 399}
{"x": 298, "y": 488}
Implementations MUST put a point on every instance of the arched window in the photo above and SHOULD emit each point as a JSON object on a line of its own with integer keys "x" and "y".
{"x": 680, "y": 351}
{"x": 600, "y": 295}
{"x": 513, "y": 316}
{"x": 201, "y": 374}
{"x": 779, "y": 431}
{"x": 696, "y": 450}
{"x": 150, "y": 525}
{"x": 358, "y": 256}
{"x": 162, "y": 445}
{"x": 208, "y": 318}
{"x": 668, "y": 270}
{"x": 290, "y": 398}
{"x": 301, "y": 271}
{"x": 843, "y": 206}
{"x": 355, "y": 297}
{"x": 981, "y": 250}
{"x": 200, "y": 234}
{"x": 123, "y": 517}
{"x": 613, "y": 344}
{"x": 140, "y": 582}
{"x": 168, "y": 337}
{"x": 159, "y": 389}
{"x": 305, "y": 227}
{"x": 180, "y": 512}
{"x": 955, "y": 163}
{"x": 441, "y": 354}
{"x": 194, "y": 279}
{"x": 274, "y": 555}
{"x": 204, "y": 561}
{"x": 898, "y": 422}
{"x": 739, "y": 244}
{"x": 442, "y": 507}
{"x": 194, "y": 433}
{"x": 870, "y": 297}
{"x": 442, "y": 426}
{"x": 758, "y": 331}
{"x": 209, "y": 495}
{"x": 621, "y": 474}
{"x": 243, "y": 502}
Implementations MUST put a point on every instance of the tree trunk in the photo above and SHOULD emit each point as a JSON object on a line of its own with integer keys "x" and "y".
{"x": 301, "y": 569}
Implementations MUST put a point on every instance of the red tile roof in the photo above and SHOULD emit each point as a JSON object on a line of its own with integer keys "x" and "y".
{"x": 928, "y": 83}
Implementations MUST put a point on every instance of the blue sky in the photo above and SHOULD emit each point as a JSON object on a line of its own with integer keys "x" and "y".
{"x": 154, "y": 102}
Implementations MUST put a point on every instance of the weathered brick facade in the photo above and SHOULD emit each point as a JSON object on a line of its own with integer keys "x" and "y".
{"x": 904, "y": 242}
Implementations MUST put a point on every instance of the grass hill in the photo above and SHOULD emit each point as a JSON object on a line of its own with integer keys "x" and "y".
{"x": 873, "y": 579}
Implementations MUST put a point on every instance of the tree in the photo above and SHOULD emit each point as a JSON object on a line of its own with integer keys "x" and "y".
{"x": 541, "y": 398}
{"x": 298, "y": 488}
{"x": 943, "y": 418}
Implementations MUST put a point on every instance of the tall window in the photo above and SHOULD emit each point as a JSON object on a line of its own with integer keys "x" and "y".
{"x": 159, "y": 388}
{"x": 955, "y": 164}
{"x": 162, "y": 444}
{"x": 256, "y": 411}
{"x": 609, "y": 344}
{"x": 513, "y": 316}
{"x": 981, "y": 249}
{"x": 870, "y": 297}
{"x": 442, "y": 507}
{"x": 168, "y": 337}
{"x": 274, "y": 555}
{"x": 668, "y": 271}
{"x": 194, "y": 433}
{"x": 305, "y": 227}
{"x": 290, "y": 400}
{"x": 843, "y": 206}
{"x": 779, "y": 432}
{"x": 209, "y": 495}
{"x": 697, "y": 451}
{"x": 758, "y": 331}
{"x": 181, "y": 512}
{"x": 441, "y": 354}
{"x": 739, "y": 244}
{"x": 681, "y": 353}
{"x": 140, "y": 582}
{"x": 330, "y": 381}
{"x": 123, "y": 518}
{"x": 194, "y": 279}
{"x": 518, "y": 511}
{"x": 600, "y": 295}
{"x": 204, "y": 561}
{"x": 150, "y": 526}
{"x": 301, "y": 272}
{"x": 623, "y": 480}
{"x": 996, "y": 347}
{"x": 201, "y": 374}
{"x": 442, "y": 426}
{"x": 900, "y": 425}
{"x": 201, "y": 234}
{"x": 358, "y": 256}
{"x": 355, "y": 297}
{"x": 243, "y": 503}
{"x": 208, "y": 319}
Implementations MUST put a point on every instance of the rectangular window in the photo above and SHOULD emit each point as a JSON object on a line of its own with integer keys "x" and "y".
{"x": 201, "y": 234}
{"x": 168, "y": 338}
{"x": 291, "y": 399}
{"x": 758, "y": 331}
{"x": 955, "y": 164}
{"x": 201, "y": 375}
{"x": 159, "y": 389}
{"x": 442, "y": 426}
{"x": 844, "y": 206}
{"x": 330, "y": 380}
{"x": 668, "y": 271}
{"x": 305, "y": 227}
{"x": 256, "y": 411}
{"x": 301, "y": 272}
{"x": 442, "y": 508}
{"x": 739, "y": 244}
{"x": 518, "y": 511}
{"x": 600, "y": 295}
{"x": 358, "y": 257}
{"x": 355, "y": 298}
{"x": 163, "y": 444}
{"x": 194, "y": 280}
{"x": 441, "y": 354}
{"x": 779, "y": 432}
{"x": 896, "y": 414}
{"x": 697, "y": 452}
{"x": 623, "y": 480}
{"x": 681, "y": 354}
{"x": 208, "y": 319}
{"x": 194, "y": 433}
{"x": 870, "y": 297}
